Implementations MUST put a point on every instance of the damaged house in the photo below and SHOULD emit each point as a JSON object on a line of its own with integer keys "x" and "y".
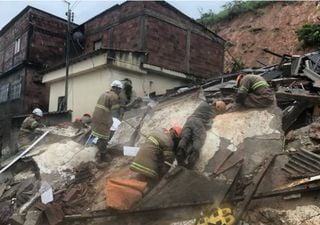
{"x": 151, "y": 43}
{"x": 30, "y": 42}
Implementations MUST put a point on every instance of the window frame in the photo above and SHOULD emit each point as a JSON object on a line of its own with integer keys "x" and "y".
{"x": 17, "y": 45}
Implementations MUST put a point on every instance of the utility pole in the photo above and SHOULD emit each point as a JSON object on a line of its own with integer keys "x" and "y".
{"x": 67, "y": 58}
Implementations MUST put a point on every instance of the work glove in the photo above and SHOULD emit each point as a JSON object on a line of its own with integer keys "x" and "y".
{"x": 192, "y": 159}
{"x": 180, "y": 156}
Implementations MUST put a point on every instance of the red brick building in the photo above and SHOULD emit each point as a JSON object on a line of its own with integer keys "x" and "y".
{"x": 171, "y": 39}
{"x": 30, "y": 42}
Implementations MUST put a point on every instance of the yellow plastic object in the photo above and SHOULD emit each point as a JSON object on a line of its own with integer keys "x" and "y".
{"x": 218, "y": 216}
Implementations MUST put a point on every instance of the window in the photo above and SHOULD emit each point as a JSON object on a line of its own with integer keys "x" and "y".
{"x": 17, "y": 44}
{"x": 4, "y": 91}
{"x": 61, "y": 104}
{"x": 15, "y": 89}
{"x": 97, "y": 45}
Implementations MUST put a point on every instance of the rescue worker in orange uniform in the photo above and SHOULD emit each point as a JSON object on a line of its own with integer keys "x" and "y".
{"x": 107, "y": 104}
{"x": 158, "y": 149}
{"x": 253, "y": 92}
{"x": 27, "y": 133}
{"x": 194, "y": 132}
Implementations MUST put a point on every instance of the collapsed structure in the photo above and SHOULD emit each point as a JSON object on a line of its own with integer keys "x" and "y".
{"x": 252, "y": 160}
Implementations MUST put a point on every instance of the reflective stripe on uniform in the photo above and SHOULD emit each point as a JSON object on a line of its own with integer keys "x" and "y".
{"x": 102, "y": 107}
{"x": 25, "y": 130}
{"x": 153, "y": 140}
{"x": 243, "y": 89}
{"x": 143, "y": 169}
{"x": 258, "y": 84}
{"x": 100, "y": 135}
{"x": 34, "y": 123}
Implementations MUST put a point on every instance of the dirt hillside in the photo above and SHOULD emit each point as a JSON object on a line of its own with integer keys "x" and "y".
{"x": 272, "y": 27}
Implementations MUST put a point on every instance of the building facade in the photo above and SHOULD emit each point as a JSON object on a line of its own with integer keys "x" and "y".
{"x": 149, "y": 42}
{"x": 30, "y": 42}
{"x": 171, "y": 39}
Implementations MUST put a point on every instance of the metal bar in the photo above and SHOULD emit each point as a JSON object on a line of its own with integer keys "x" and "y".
{"x": 298, "y": 164}
{"x": 308, "y": 157}
{"x": 24, "y": 152}
{"x": 252, "y": 190}
{"x": 310, "y": 153}
{"x": 295, "y": 190}
{"x": 294, "y": 168}
{"x": 290, "y": 171}
{"x": 305, "y": 162}
{"x": 116, "y": 213}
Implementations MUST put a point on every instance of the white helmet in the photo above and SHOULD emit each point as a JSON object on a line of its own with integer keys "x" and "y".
{"x": 117, "y": 83}
{"x": 37, "y": 112}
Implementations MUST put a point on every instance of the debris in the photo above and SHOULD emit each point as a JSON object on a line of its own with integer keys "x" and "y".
{"x": 24, "y": 152}
{"x": 54, "y": 213}
{"x": 33, "y": 217}
{"x": 46, "y": 192}
{"x": 252, "y": 189}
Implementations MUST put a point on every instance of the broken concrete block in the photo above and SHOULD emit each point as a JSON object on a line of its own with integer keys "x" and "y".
{"x": 171, "y": 112}
{"x": 256, "y": 131}
{"x": 16, "y": 219}
{"x": 56, "y": 164}
{"x": 33, "y": 217}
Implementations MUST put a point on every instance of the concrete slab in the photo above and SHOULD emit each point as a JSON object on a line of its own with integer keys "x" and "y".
{"x": 171, "y": 112}
{"x": 57, "y": 162}
{"x": 257, "y": 131}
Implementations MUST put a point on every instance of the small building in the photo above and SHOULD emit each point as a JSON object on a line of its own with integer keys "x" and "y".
{"x": 149, "y": 42}
{"x": 30, "y": 42}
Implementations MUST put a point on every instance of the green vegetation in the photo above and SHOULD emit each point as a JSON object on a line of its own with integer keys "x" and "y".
{"x": 232, "y": 10}
{"x": 309, "y": 34}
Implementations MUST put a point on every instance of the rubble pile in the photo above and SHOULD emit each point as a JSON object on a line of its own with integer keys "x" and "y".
{"x": 251, "y": 162}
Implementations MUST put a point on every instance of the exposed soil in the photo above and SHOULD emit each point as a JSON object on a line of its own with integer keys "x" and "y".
{"x": 272, "y": 27}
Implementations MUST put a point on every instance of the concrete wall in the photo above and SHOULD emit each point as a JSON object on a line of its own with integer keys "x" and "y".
{"x": 85, "y": 89}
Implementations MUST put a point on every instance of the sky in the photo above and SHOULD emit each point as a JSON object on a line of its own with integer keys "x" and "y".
{"x": 86, "y": 9}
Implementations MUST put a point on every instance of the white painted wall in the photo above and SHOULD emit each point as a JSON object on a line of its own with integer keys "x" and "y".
{"x": 85, "y": 88}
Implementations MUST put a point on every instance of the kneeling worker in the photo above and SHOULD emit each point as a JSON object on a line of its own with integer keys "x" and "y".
{"x": 158, "y": 149}
{"x": 254, "y": 91}
{"x": 27, "y": 133}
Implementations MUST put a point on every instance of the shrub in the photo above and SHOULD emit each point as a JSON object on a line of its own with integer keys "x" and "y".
{"x": 232, "y": 10}
{"x": 309, "y": 34}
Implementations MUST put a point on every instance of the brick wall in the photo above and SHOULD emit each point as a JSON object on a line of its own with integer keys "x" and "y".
{"x": 171, "y": 39}
{"x": 36, "y": 93}
{"x": 47, "y": 39}
{"x": 206, "y": 57}
{"x": 166, "y": 44}
{"x": 7, "y": 43}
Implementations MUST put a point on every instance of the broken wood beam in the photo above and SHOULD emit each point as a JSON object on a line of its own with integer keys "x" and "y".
{"x": 253, "y": 188}
{"x": 314, "y": 99}
{"x": 273, "y": 53}
{"x": 295, "y": 190}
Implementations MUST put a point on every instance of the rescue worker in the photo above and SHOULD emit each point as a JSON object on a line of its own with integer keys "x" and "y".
{"x": 27, "y": 132}
{"x": 194, "y": 132}
{"x": 128, "y": 98}
{"x": 107, "y": 103}
{"x": 155, "y": 154}
{"x": 253, "y": 92}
